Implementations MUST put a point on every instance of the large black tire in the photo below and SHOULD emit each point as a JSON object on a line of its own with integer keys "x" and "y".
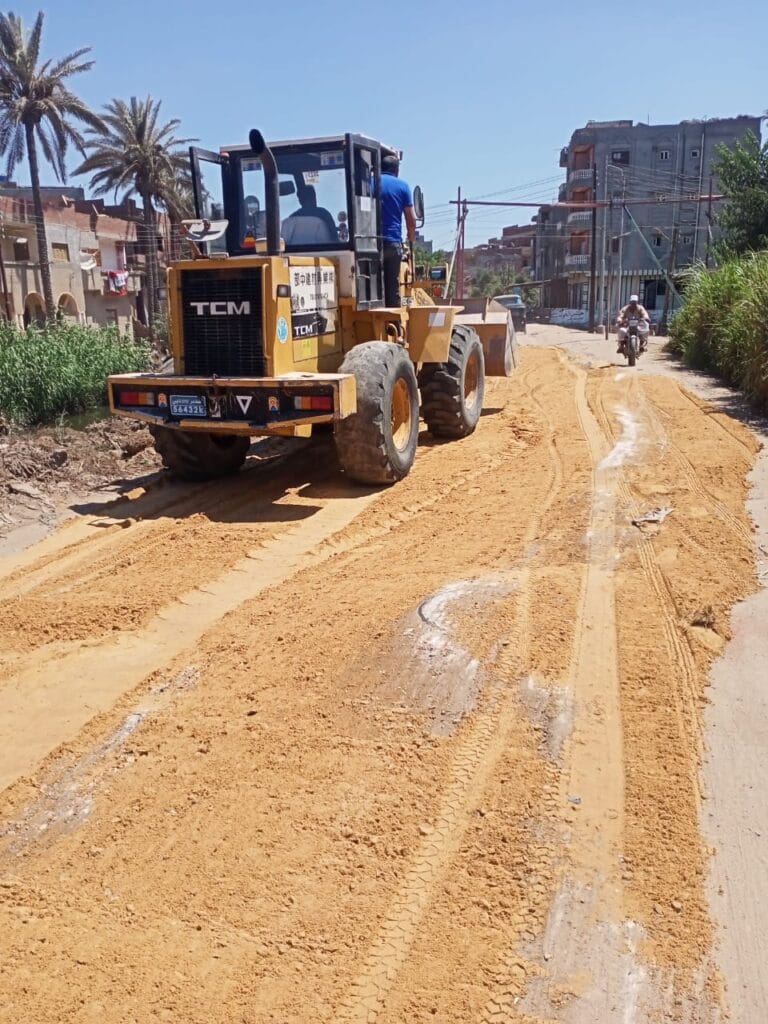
{"x": 631, "y": 356}
{"x": 193, "y": 456}
{"x": 377, "y": 444}
{"x": 452, "y": 392}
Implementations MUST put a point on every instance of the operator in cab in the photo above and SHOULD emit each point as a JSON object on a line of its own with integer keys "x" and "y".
{"x": 396, "y": 203}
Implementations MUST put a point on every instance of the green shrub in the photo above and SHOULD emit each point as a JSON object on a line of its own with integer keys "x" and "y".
{"x": 723, "y": 325}
{"x": 61, "y": 369}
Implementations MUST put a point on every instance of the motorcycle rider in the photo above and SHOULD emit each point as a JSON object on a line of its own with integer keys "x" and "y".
{"x": 633, "y": 310}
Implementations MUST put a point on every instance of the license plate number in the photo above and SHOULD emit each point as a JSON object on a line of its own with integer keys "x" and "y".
{"x": 188, "y": 405}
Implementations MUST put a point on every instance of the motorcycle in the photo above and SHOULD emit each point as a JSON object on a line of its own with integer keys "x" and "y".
{"x": 631, "y": 344}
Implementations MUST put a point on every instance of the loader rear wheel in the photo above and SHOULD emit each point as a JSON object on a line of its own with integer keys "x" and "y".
{"x": 452, "y": 392}
{"x": 193, "y": 456}
{"x": 377, "y": 444}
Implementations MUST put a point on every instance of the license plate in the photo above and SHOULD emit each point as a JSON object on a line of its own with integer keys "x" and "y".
{"x": 188, "y": 405}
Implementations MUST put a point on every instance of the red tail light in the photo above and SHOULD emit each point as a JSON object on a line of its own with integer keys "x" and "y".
{"x": 315, "y": 403}
{"x": 135, "y": 398}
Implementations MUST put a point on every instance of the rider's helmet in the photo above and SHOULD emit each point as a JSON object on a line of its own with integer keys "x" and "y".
{"x": 634, "y": 298}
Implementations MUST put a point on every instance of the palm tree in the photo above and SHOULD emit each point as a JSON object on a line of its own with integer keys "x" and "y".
{"x": 179, "y": 201}
{"x": 134, "y": 154}
{"x": 36, "y": 108}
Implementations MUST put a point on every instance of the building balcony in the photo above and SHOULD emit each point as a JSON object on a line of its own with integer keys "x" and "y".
{"x": 582, "y": 174}
{"x": 96, "y": 281}
{"x": 577, "y": 261}
{"x": 562, "y": 192}
{"x": 580, "y": 217}
{"x": 564, "y": 156}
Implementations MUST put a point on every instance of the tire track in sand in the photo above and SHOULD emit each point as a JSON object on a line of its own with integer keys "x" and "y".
{"x": 54, "y": 690}
{"x": 98, "y": 538}
{"x": 655, "y": 416}
{"x": 678, "y": 646}
{"x": 57, "y": 691}
{"x": 593, "y": 770}
{"x": 683, "y": 975}
{"x": 481, "y": 749}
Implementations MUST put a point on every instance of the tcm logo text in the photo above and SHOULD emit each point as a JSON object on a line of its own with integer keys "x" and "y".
{"x": 222, "y": 308}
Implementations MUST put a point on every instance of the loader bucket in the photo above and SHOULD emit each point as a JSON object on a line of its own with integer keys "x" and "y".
{"x": 494, "y": 326}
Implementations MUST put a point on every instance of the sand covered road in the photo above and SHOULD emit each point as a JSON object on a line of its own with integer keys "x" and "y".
{"x": 282, "y": 749}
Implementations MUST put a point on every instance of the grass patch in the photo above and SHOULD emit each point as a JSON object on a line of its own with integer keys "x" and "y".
{"x": 723, "y": 326}
{"x": 61, "y": 369}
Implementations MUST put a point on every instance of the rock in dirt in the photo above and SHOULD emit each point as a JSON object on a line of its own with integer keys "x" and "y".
{"x": 19, "y": 487}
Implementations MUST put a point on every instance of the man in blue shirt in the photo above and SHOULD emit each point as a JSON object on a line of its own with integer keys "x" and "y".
{"x": 396, "y": 201}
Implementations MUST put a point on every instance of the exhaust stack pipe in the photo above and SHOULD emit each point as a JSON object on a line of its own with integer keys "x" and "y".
{"x": 271, "y": 189}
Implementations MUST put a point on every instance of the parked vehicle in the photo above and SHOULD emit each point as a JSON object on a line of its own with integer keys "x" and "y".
{"x": 516, "y": 306}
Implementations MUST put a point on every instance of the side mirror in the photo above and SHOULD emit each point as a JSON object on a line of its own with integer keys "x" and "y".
{"x": 287, "y": 188}
{"x": 418, "y": 206}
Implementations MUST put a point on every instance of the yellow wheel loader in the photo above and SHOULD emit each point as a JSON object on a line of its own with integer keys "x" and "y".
{"x": 278, "y": 323}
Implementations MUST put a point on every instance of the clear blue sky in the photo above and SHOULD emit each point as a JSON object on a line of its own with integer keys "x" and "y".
{"x": 478, "y": 93}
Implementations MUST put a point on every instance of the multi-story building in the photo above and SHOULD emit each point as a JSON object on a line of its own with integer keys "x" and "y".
{"x": 96, "y": 271}
{"x": 655, "y": 217}
{"x": 508, "y": 255}
{"x": 550, "y": 247}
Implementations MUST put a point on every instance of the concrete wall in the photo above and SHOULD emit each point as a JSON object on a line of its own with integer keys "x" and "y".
{"x": 568, "y": 317}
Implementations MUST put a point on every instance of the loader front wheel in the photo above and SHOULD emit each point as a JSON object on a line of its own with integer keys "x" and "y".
{"x": 193, "y": 456}
{"x": 377, "y": 444}
{"x": 452, "y": 392}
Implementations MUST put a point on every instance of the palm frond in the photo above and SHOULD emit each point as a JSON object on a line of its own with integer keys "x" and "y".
{"x": 135, "y": 146}
{"x": 34, "y": 39}
{"x": 35, "y": 94}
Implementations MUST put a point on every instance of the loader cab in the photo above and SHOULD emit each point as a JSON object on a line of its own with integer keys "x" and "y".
{"x": 328, "y": 204}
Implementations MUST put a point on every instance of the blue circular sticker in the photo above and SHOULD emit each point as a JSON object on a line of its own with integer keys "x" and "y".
{"x": 282, "y": 330}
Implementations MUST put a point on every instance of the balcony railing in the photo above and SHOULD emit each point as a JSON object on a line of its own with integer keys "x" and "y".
{"x": 582, "y": 174}
{"x": 577, "y": 261}
{"x": 580, "y": 217}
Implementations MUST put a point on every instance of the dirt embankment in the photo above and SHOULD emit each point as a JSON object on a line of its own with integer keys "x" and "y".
{"x": 425, "y": 754}
{"x": 44, "y": 469}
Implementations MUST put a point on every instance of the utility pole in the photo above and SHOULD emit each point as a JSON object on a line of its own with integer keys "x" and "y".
{"x": 3, "y": 278}
{"x": 670, "y": 271}
{"x": 460, "y": 248}
{"x": 593, "y": 254}
{"x": 709, "y": 223}
{"x": 603, "y": 246}
{"x": 607, "y": 256}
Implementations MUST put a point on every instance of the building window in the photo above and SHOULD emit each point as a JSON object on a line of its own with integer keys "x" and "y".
{"x": 687, "y": 239}
{"x": 663, "y": 154}
{"x": 695, "y": 154}
{"x": 657, "y": 241}
{"x": 620, "y": 156}
{"x": 60, "y": 252}
{"x": 111, "y": 317}
{"x": 21, "y": 251}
